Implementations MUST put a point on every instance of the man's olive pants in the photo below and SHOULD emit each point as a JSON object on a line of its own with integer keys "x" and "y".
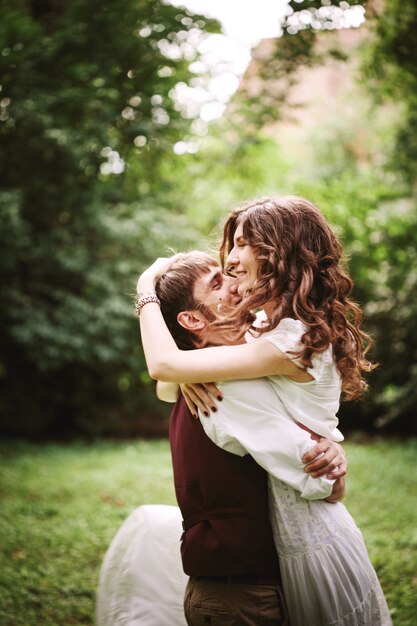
{"x": 224, "y": 602}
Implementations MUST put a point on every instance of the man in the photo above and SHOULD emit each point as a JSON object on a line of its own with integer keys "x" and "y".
{"x": 227, "y": 546}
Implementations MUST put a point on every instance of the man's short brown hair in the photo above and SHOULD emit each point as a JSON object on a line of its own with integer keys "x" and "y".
{"x": 175, "y": 290}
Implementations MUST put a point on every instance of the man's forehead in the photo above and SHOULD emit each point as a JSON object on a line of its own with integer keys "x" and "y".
{"x": 204, "y": 281}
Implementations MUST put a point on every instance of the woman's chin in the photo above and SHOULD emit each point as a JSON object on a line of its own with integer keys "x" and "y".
{"x": 244, "y": 290}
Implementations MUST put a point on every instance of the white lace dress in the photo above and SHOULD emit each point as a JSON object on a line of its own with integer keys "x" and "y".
{"x": 327, "y": 576}
{"x": 142, "y": 582}
{"x": 328, "y": 579}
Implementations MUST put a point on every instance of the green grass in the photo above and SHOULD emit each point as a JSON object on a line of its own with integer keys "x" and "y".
{"x": 62, "y": 504}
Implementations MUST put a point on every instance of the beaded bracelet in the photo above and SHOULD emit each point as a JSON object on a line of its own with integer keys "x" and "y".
{"x": 146, "y": 299}
{"x": 145, "y": 293}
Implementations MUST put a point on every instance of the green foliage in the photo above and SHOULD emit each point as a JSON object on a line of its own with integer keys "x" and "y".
{"x": 389, "y": 65}
{"x": 263, "y": 97}
{"x": 346, "y": 172}
{"x": 389, "y": 59}
{"x": 267, "y": 102}
{"x": 62, "y": 505}
{"x": 359, "y": 166}
{"x": 80, "y": 82}
{"x": 91, "y": 191}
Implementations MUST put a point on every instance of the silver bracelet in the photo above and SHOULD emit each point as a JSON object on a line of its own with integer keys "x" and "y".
{"x": 146, "y": 299}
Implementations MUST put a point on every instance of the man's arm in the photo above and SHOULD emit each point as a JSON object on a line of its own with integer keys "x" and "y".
{"x": 167, "y": 392}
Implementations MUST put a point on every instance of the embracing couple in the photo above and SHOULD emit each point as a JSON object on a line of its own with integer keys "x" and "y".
{"x": 281, "y": 334}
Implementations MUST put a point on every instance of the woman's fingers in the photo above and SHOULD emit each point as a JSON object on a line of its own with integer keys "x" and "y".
{"x": 191, "y": 399}
{"x": 212, "y": 389}
{"x": 192, "y": 407}
{"x": 326, "y": 458}
{"x": 201, "y": 397}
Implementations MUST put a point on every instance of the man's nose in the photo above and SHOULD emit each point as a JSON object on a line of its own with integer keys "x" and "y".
{"x": 229, "y": 282}
{"x": 234, "y": 296}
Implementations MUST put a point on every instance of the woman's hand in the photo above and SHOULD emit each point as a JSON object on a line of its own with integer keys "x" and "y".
{"x": 148, "y": 278}
{"x": 200, "y": 396}
{"x": 326, "y": 458}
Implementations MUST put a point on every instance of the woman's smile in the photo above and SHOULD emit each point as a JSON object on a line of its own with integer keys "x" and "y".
{"x": 242, "y": 259}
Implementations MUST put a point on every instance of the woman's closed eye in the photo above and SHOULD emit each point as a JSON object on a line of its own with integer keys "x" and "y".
{"x": 240, "y": 243}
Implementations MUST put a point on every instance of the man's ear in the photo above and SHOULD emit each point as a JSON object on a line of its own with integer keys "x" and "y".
{"x": 192, "y": 320}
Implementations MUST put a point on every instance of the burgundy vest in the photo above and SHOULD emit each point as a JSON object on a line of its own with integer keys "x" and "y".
{"x": 224, "y": 502}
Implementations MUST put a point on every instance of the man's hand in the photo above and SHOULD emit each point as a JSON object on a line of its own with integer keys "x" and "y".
{"x": 338, "y": 491}
{"x": 326, "y": 458}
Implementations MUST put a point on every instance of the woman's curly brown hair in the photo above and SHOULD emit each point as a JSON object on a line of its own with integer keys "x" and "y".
{"x": 301, "y": 270}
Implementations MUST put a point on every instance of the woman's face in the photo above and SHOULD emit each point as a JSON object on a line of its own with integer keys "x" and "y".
{"x": 242, "y": 259}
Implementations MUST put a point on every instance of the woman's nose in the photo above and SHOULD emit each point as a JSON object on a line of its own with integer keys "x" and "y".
{"x": 232, "y": 258}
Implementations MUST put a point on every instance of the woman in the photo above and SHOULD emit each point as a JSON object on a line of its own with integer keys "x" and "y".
{"x": 288, "y": 262}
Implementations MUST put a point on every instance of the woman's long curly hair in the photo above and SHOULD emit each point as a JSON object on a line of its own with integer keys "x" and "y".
{"x": 301, "y": 271}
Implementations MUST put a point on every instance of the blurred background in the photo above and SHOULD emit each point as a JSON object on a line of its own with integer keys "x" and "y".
{"x": 130, "y": 128}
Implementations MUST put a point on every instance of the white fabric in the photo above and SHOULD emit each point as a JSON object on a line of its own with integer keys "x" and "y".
{"x": 313, "y": 403}
{"x": 328, "y": 579}
{"x": 142, "y": 582}
{"x": 252, "y": 420}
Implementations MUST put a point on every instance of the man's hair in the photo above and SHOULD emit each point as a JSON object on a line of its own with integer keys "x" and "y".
{"x": 175, "y": 290}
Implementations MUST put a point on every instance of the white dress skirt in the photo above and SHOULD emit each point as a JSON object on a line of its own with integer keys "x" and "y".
{"x": 142, "y": 582}
{"x": 327, "y": 577}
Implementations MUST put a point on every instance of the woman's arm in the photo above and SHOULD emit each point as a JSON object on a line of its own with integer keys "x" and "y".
{"x": 167, "y": 363}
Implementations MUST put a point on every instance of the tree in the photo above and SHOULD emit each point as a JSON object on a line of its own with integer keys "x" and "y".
{"x": 86, "y": 89}
{"x": 262, "y": 98}
{"x": 362, "y": 173}
{"x": 390, "y": 63}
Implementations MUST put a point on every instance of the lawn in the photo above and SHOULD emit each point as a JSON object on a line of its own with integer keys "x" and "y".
{"x": 62, "y": 504}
